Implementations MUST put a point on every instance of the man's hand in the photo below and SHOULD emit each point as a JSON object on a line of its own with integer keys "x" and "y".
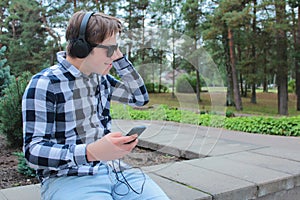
{"x": 112, "y": 146}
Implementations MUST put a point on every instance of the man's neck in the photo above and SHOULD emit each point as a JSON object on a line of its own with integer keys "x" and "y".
{"x": 78, "y": 63}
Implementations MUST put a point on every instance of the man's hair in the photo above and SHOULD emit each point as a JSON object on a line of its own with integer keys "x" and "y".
{"x": 100, "y": 26}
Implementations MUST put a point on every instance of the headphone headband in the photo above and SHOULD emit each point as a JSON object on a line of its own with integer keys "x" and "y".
{"x": 84, "y": 24}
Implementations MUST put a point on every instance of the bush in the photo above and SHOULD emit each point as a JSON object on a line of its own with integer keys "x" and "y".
{"x": 5, "y": 76}
{"x": 11, "y": 110}
{"x": 150, "y": 87}
{"x": 292, "y": 86}
{"x": 186, "y": 84}
{"x": 23, "y": 168}
{"x": 154, "y": 87}
{"x": 286, "y": 126}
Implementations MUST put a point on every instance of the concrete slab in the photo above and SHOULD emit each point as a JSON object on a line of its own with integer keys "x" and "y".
{"x": 2, "y": 197}
{"x": 219, "y": 185}
{"x": 267, "y": 180}
{"x": 292, "y": 194}
{"x": 222, "y": 147}
{"x": 268, "y": 162}
{"x": 287, "y": 153}
{"x": 29, "y": 192}
{"x": 177, "y": 191}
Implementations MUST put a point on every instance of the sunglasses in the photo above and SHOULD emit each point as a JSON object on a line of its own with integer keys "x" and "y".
{"x": 110, "y": 49}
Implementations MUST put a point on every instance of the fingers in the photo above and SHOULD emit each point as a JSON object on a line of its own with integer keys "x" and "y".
{"x": 111, "y": 146}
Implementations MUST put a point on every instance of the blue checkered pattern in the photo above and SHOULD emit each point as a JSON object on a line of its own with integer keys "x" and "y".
{"x": 64, "y": 110}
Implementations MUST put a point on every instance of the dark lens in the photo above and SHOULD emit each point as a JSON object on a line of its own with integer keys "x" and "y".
{"x": 110, "y": 51}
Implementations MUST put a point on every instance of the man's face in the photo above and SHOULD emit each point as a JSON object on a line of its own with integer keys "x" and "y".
{"x": 97, "y": 61}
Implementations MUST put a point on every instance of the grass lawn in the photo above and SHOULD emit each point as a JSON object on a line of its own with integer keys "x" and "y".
{"x": 215, "y": 101}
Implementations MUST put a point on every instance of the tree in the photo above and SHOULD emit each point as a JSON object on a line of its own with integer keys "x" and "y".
{"x": 281, "y": 57}
{"x": 296, "y": 33}
{"x": 227, "y": 20}
{"x": 5, "y": 77}
{"x": 192, "y": 15}
{"x": 25, "y": 37}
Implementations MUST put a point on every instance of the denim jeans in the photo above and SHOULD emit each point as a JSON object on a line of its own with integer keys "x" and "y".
{"x": 106, "y": 185}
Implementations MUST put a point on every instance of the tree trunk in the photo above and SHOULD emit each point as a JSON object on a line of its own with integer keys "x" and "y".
{"x": 236, "y": 91}
{"x": 229, "y": 91}
{"x": 160, "y": 70}
{"x": 253, "y": 89}
{"x": 297, "y": 61}
{"x": 282, "y": 67}
{"x": 196, "y": 62}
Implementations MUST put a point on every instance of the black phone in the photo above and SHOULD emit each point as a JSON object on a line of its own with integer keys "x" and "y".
{"x": 135, "y": 130}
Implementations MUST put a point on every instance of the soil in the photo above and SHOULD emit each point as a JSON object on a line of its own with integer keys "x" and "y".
{"x": 10, "y": 177}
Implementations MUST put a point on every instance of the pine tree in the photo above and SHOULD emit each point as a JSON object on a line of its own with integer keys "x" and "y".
{"x": 25, "y": 37}
{"x": 5, "y": 77}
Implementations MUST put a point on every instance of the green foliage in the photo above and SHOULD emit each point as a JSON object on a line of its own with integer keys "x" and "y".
{"x": 286, "y": 126}
{"x": 154, "y": 88}
{"x": 26, "y": 37}
{"x": 5, "y": 76}
{"x": 23, "y": 168}
{"x": 11, "y": 110}
{"x": 292, "y": 86}
{"x": 186, "y": 84}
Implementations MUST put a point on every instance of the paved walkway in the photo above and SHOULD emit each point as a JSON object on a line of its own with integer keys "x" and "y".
{"x": 225, "y": 165}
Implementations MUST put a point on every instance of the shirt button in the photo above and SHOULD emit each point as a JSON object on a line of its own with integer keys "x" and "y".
{"x": 95, "y": 112}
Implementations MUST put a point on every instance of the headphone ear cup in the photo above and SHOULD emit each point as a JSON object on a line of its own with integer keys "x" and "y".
{"x": 80, "y": 48}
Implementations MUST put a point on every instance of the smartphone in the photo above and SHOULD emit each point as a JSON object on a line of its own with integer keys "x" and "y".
{"x": 135, "y": 130}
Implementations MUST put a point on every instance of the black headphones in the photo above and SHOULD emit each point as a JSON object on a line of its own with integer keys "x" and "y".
{"x": 80, "y": 47}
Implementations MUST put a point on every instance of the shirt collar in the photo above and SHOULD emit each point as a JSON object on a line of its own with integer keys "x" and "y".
{"x": 61, "y": 58}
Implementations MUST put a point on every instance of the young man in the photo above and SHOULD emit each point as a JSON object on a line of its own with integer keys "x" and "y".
{"x": 66, "y": 117}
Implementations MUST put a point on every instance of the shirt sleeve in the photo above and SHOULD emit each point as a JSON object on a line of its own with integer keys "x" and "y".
{"x": 41, "y": 146}
{"x": 131, "y": 89}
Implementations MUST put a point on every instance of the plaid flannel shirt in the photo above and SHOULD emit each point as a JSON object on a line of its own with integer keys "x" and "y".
{"x": 64, "y": 110}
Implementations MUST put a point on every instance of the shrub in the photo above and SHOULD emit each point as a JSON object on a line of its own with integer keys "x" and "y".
{"x": 5, "y": 76}
{"x": 292, "y": 86}
{"x": 150, "y": 87}
{"x": 185, "y": 84}
{"x": 154, "y": 87}
{"x": 286, "y": 126}
{"x": 11, "y": 110}
{"x": 23, "y": 168}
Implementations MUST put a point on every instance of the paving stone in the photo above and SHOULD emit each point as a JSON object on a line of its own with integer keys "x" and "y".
{"x": 267, "y": 180}
{"x": 267, "y": 161}
{"x": 219, "y": 185}
{"x": 2, "y": 197}
{"x": 29, "y": 192}
{"x": 177, "y": 191}
{"x": 286, "y": 153}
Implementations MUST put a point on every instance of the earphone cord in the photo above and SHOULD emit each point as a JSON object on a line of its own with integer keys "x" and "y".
{"x": 125, "y": 182}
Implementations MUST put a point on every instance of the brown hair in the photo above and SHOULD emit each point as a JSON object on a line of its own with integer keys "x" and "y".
{"x": 100, "y": 26}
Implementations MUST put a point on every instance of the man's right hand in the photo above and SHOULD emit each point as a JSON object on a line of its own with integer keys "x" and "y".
{"x": 110, "y": 147}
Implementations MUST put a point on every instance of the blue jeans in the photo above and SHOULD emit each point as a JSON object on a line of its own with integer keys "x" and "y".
{"x": 102, "y": 186}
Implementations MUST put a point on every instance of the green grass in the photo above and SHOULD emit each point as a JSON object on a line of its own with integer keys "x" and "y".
{"x": 183, "y": 108}
{"x": 215, "y": 101}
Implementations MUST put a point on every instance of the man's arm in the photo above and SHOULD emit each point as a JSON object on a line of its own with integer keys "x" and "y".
{"x": 40, "y": 139}
{"x": 131, "y": 89}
